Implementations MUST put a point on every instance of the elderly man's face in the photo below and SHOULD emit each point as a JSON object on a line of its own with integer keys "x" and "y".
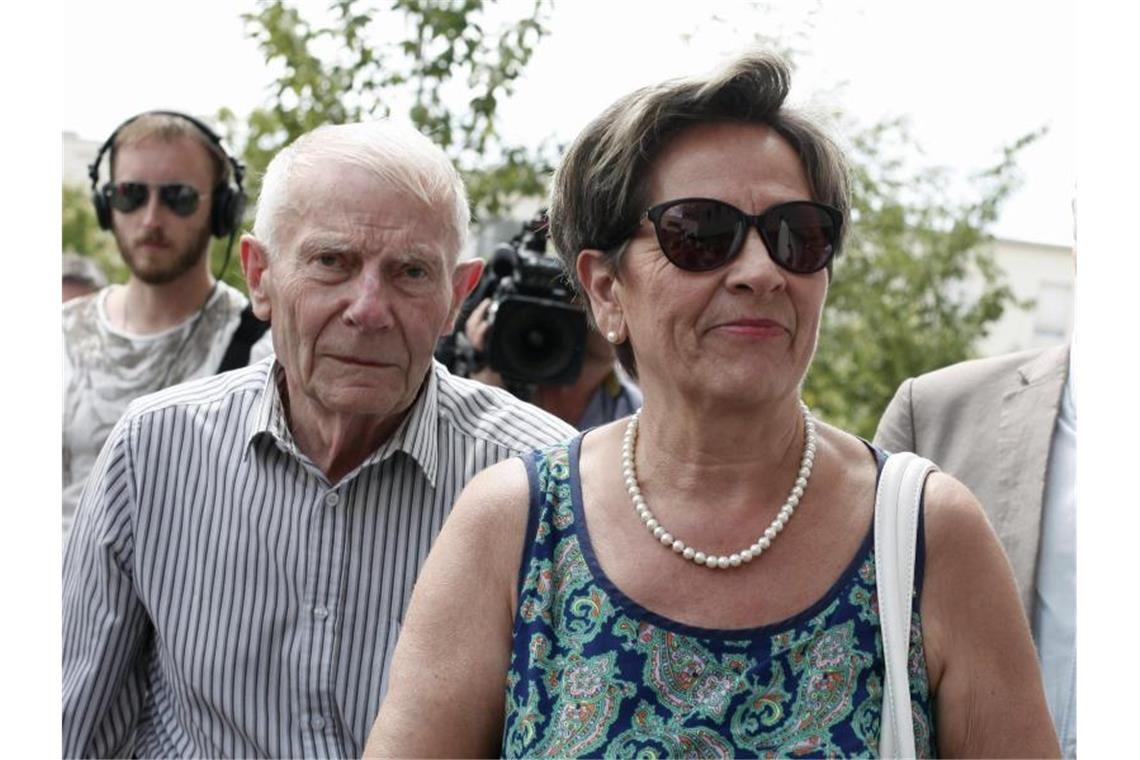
{"x": 359, "y": 289}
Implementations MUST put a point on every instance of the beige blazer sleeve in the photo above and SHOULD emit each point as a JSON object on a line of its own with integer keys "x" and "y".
{"x": 896, "y": 426}
{"x": 989, "y": 423}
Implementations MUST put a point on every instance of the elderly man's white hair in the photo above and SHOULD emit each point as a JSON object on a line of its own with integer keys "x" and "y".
{"x": 396, "y": 154}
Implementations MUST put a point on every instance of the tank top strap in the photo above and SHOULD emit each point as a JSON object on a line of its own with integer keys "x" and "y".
{"x": 551, "y": 508}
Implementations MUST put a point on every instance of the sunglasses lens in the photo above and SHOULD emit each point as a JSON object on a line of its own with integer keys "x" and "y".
{"x": 800, "y": 236}
{"x": 181, "y": 199}
{"x": 698, "y": 235}
{"x": 127, "y": 196}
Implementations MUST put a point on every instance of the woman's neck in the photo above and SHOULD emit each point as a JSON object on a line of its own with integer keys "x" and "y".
{"x": 699, "y": 451}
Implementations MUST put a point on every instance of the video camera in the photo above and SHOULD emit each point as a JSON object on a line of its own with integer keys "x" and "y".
{"x": 537, "y": 335}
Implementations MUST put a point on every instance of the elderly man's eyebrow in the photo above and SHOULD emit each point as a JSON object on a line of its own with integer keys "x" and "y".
{"x": 418, "y": 251}
{"x": 321, "y": 245}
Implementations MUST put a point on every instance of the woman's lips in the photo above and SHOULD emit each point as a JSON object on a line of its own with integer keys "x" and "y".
{"x": 754, "y": 327}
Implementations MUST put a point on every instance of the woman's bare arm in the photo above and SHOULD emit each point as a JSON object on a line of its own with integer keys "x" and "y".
{"x": 986, "y": 682}
{"x": 448, "y": 678}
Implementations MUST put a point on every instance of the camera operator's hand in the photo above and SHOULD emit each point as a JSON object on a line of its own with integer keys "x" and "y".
{"x": 476, "y": 328}
{"x": 477, "y": 325}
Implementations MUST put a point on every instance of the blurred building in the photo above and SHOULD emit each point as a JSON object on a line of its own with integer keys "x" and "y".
{"x": 1040, "y": 273}
{"x": 77, "y": 155}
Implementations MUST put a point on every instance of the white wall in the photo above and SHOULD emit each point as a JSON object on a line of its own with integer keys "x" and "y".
{"x": 77, "y": 154}
{"x": 1044, "y": 273}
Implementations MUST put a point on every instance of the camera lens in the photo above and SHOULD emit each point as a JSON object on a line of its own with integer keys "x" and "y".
{"x": 537, "y": 341}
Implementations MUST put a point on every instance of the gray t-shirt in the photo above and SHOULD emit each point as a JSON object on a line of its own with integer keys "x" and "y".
{"x": 104, "y": 369}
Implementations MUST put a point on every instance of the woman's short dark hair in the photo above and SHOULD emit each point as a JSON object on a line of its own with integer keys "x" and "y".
{"x": 601, "y": 187}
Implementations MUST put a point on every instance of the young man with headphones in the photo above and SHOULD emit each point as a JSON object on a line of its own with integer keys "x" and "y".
{"x": 172, "y": 186}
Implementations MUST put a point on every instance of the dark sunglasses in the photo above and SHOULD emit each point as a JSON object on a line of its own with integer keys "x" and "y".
{"x": 131, "y": 196}
{"x": 701, "y": 234}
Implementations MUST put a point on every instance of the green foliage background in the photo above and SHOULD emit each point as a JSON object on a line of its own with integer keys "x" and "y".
{"x": 81, "y": 233}
{"x": 915, "y": 288}
{"x": 345, "y": 71}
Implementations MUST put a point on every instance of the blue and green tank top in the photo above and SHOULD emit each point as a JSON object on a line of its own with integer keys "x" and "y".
{"x": 594, "y": 674}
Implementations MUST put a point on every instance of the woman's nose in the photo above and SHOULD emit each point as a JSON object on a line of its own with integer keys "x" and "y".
{"x": 754, "y": 268}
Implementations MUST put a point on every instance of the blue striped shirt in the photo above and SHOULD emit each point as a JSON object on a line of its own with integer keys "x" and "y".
{"x": 221, "y": 598}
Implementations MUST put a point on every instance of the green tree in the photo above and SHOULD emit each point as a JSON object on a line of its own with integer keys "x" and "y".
{"x": 413, "y": 56}
{"x": 81, "y": 233}
{"x": 441, "y": 63}
{"x": 916, "y": 286}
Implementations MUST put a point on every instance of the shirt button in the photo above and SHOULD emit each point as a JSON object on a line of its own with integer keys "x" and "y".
{"x": 332, "y": 498}
{"x": 321, "y": 612}
{"x": 317, "y": 722}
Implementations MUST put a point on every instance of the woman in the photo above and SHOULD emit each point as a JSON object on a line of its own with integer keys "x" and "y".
{"x": 698, "y": 579}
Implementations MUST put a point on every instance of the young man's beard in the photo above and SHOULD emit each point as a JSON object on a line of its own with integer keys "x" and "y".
{"x": 181, "y": 259}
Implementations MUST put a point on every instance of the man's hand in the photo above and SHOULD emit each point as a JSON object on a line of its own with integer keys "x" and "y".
{"x": 476, "y": 328}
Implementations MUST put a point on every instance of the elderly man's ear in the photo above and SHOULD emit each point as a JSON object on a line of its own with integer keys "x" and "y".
{"x": 463, "y": 281}
{"x": 255, "y": 266}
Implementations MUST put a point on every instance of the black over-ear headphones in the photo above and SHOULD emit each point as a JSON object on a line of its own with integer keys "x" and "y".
{"x": 227, "y": 202}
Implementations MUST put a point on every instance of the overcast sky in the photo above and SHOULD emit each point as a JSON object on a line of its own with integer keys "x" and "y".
{"x": 971, "y": 76}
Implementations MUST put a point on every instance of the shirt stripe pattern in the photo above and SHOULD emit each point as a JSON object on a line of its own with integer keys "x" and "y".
{"x": 222, "y": 599}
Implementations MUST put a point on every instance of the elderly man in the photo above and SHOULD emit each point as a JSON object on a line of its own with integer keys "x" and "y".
{"x": 247, "y": 543}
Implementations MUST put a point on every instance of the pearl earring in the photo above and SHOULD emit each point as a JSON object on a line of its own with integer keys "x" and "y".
{"x": 611, "y": 336}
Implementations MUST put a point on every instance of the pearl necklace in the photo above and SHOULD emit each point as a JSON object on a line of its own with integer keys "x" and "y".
{"x": 736, "y": 559}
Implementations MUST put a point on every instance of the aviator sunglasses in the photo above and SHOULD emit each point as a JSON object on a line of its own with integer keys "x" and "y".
{"x": 131, "y": 196}
{"x": 701, "y": 234}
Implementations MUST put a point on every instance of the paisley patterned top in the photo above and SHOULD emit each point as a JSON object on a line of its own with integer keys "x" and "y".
{"x": 592, "y": 673}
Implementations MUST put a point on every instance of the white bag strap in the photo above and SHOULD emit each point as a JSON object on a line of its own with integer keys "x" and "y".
{"x": 896, "y": 531}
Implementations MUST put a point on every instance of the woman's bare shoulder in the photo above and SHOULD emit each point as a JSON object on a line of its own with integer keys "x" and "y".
{"x": 480, "y": 545}
{"x": 853, "y": 459}
{"x": 955, "y": 520}
{"x": 496, "y": 488}
{"x": 459, "y": 621}
{"x": 492, "y": 507}
{"x": 979, "y": 651}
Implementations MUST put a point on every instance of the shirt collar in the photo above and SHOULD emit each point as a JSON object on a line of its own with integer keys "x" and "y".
{"x": 416, "y": 436}
{"x": 269, "y": 412}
